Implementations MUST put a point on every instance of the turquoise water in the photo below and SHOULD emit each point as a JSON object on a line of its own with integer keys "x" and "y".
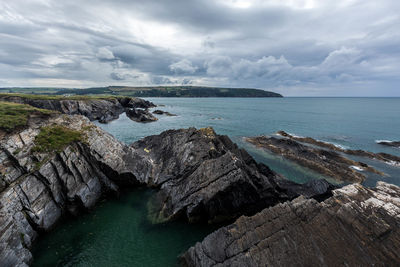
{"x": 354, "y": 123}
{"x": 117, "y": 232}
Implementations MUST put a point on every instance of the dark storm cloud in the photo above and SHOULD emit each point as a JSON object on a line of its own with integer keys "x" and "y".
{"x": 294, "y": 47}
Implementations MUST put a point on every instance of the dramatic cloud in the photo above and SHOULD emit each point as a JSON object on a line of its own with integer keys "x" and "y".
{"x": 295, "y": 47}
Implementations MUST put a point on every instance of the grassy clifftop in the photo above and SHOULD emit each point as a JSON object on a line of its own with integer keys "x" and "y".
{"x": 56, "y": 97}
{"x": 14, "y": 115}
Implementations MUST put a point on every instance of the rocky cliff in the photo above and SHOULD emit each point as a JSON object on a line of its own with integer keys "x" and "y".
{"x": 358, "y": 226}
{"x": 205, "y": 177}
{"x": 201, "y": 176}
{"x": 103, "y": 109}
{"x": 37, "y": 188}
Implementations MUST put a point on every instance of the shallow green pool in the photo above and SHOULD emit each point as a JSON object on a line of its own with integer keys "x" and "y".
{"x": 117, "y": 233}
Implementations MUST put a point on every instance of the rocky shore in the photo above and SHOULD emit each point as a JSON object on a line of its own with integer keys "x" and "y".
{"x": 357, "y": 226}
{"x": 38, "y": 188}
{"x": 201, "y": 176}
{"x": 59, "y": 165}
{"x": 205, "y": 177}
{"x": 328, "y": 163}
{"x": 103, "y": 109}
{"x": 384, "y": 157}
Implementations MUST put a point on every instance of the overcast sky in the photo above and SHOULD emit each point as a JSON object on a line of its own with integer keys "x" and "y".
{"x": 294, "y": 47}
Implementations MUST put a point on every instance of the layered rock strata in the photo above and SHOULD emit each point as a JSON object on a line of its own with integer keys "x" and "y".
{"x": 36, "y": 189}
{"x": 205, "y": 177}
{"x": 140, "y": 115}
{"x": 358, "y": 226}
{"x": 387, "y": 158}
{"x": 201, "y": 176}
{"x": 328, "y": 163}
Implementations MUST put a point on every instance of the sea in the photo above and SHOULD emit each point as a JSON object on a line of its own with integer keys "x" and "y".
{"x": 118, "y": 233}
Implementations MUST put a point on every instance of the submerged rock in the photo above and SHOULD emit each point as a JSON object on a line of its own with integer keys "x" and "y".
{"x": 390, "y": 143}
{"x": 357, "y": 226}
{"x": 328, "y": 163}
{"x": 205, "y": 177}
{"x": 161, "y": 112}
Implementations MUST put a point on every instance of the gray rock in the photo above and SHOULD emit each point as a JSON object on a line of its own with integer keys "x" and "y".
{"x": 326, "y": 162}
{"x": 356, "y": 227}
{"x": 140, "y": 115}
{"x": 161, "y": 112}
{"x": 390, "y": 143}
{"x": 39, "y": 188}
{"x": 205, "y": 177}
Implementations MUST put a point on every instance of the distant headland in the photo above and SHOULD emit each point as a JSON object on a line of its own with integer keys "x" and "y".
{"x": 152, "y": 91}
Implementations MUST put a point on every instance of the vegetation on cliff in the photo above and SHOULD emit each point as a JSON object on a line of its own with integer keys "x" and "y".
{"x": 56, "y": 138}
{"x": 13, "y": 115}
{"x": 58, "y": 97}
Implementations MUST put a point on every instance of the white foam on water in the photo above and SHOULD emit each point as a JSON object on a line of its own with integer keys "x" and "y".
{"x": 357, "y": 168}
{"x": 381, "y": 141}
{"x": 393, "y": 163}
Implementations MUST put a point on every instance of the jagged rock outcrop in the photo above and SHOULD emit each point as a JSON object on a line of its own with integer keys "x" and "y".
{"x": 205, "y": 176}
{"x": 328, "y": 163}
{"x": 387, "y": 158}
{"x": 140, "y": 115}
{"x": 37, "y": 188}
{"x": 102, "y": 109}
{"x": 358, "y": 226}
{"x": 200, "y": 176}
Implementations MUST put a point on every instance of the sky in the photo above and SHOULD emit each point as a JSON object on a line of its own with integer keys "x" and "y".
{"x": 294, "y": 47}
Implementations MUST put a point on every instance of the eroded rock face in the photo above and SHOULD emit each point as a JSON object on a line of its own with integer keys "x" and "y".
{"x": 140, "y": 115}
{"x": 103, "y": 110}
{"x": 205, "y": 176}
{"x": 329, "y": 163}
{"x": 36, "y": 189}
{"x": 356, "y": 227}
{"x": 201, "y": 176}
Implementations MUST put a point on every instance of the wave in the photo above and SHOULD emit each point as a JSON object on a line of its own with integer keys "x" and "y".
{"x": 393, "y": 163}
{"x": 357, "y": 168}
{"x": 337, "y": 145}
{"x": 293, "y": 135}
{"x": 383, "y": 141}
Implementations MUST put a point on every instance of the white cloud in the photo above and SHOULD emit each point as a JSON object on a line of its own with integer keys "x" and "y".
{"x": 248, "y": 43}
{"x": 183, "y": 66}
{"x": 105, "y": 54}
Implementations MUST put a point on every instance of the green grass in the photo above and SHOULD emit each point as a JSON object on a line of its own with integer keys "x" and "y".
{"x": 56, "y": 138}
{"x": 58, "y": 97}
{"x": 13, "y": 115}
